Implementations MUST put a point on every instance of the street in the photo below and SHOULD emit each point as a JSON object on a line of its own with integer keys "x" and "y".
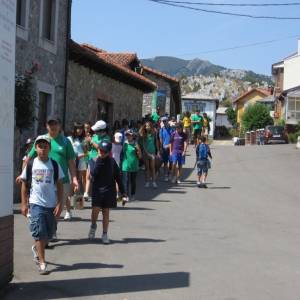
{"x": 238, "y": 239}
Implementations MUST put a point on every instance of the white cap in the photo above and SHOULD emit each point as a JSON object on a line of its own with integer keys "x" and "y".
{"x": 99, "y": 125}
{"x": 44, "y": 138}
{"x": 118, "y": 137}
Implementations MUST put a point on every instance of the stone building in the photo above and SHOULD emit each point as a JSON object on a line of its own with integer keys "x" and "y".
{"x": 168, "y": 94}
{"x": 103, "y": 85}
{"x": 43, "y": 28}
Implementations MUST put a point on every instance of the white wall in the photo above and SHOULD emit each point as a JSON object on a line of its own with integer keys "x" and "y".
{"x": 222, "y": 120}
{"x": 7, "y": 91}
{"x": 291, "y": 73}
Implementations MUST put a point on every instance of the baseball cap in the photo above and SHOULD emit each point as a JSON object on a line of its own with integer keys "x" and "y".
{"x": 99, "y": 125}
{"x": 129, "y": 132}
{"x": 105, "y": 146}
{"x": 118, "y": 137}
{"x": 164, "y": 119}
{"x": 54, "y": 118}
{"x": 44, "y": 138}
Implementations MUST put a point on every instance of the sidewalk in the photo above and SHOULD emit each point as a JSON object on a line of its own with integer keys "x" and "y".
{"x": 222, "y": 143}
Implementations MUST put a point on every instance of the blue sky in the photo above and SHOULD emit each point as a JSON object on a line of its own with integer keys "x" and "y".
{"x": 150, "y": 29}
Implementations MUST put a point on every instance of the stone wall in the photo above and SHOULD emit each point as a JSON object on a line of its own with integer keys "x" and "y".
{"x": 51, "y": 66}
{"x": 85, "y": 87}
{"x": 161, "y": 85}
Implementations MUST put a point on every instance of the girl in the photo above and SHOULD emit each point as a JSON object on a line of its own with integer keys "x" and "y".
{"x": 131, "y": 154}
{"x": 150, "y": 145}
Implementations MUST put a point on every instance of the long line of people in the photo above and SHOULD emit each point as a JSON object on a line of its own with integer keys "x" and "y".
{"x": 102, "y": 165}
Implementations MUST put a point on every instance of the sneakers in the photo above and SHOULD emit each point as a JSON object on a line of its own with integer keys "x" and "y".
{"x": 178, "y": 181}
{"x": 154, "y": 184}
{"x": 86, "y": 197}
{"x": 124, "y": 200}
{"x": 43, "y": 269}
{"x": 92, "y": 232}
{"x": 147, "y": 184}
{"x": 105, "y": 239}
{"x": 35, "y": 254}
{"x": 174, "y": 180}
{"x": 68, "y": 216}
{"x": 198, "y": 183}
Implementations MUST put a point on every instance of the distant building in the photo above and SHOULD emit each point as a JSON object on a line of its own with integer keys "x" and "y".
{"x": 102, "y": 85}
{"x": 193, "y": 102}
{"x": 252, "y": 96}
{"x": 221, "y": 118}
{"x": 166, "y": 97}
{"x": 287, "y": 88}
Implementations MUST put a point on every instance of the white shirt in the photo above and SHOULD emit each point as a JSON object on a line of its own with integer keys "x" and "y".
{"x": 77, "y": 145}
{"x": 43, "y": 189}
{"x": 116, "y": 152}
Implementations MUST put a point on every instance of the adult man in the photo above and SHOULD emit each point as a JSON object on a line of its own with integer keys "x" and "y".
{"x": 206, "y": 125}
{"x": 165, "y": 138}
{"x": 197, "y": 122}
{"x": 62, "y": 152}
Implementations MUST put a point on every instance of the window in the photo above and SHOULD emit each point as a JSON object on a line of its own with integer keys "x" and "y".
{"x": 293, "y": 113}
{"x": 49, "y": 13}
{"x": 21, "y": 13}
{"x": 44, "y": 110}
{"x": 104, "y": 111}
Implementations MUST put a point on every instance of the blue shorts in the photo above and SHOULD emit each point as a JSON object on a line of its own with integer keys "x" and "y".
{"x": 165, "y": 155}
{"x": 202, "y": 167}
{"x": 42, "y": 222}
{"x": 177, "y": 158}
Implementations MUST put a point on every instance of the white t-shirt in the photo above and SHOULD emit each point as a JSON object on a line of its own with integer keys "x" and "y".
{"x": 77, "y": 145}
{"x": 43, "y": 189}
{"x": 116, "y": 152}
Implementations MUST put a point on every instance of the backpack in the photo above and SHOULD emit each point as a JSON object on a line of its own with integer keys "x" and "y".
{"x": 92, "y": 166}
{"x": 203, "y": 152}
{"x": 29, "y": 172}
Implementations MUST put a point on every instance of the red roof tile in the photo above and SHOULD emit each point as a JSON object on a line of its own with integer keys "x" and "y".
{"x": 160, "y": 74}
{"x": 266, "y": 92}
{"x": 125, "y": 73}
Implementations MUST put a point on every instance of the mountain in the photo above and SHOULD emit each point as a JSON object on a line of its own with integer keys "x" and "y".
{"x": 185, "y": 68}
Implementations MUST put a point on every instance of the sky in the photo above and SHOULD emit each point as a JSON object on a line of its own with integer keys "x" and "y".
{"x": 150, "y": 29}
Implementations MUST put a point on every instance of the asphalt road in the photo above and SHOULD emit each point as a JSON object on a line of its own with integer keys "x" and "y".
{"x": 239, "y": 239}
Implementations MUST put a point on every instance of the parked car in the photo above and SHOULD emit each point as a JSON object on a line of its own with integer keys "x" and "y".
{"x": 276, "y": 134}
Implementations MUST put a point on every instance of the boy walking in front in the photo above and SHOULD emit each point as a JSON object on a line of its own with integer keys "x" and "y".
{"x": 42, "y": 176}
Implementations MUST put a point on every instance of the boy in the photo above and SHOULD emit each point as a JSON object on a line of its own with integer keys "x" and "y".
{"x": 103, "y": 173}
{"x": 202, "y": 154}
{"x": 43, "y": 177}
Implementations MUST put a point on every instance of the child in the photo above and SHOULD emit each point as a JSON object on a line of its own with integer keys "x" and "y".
{"x": 43, "y": 177}
{"x": 103, "y": 173}
{"x": 202, "y": 154}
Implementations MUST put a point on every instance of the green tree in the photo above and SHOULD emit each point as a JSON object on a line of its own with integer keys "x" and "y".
{"x": 256, "y": 116}
{"x": 232, "y": 116}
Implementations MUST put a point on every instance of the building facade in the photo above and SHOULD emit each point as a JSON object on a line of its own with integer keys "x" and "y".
{"x": 100, "y": 88}
{"x": 43, "y": 28}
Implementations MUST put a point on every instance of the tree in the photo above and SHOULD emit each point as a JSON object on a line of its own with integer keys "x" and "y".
{"x": 256, "y": 116}
{"x": 232, "y": 116}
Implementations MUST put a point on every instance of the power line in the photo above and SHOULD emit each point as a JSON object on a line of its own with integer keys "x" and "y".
{"x": 233, "y": 4}
{"x": 241, "y": 46}
{"x": 223, "y": 12}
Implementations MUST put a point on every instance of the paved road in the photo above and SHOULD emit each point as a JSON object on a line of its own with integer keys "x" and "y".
{"x": 239, "y": 239}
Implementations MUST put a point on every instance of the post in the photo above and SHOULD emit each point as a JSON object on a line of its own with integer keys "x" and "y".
{"x": 7, "y": 96}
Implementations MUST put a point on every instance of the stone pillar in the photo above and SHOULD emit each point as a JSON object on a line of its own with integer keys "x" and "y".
{"x": 7, "y": 95}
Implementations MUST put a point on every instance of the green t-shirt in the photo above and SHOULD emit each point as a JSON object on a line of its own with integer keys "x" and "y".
{"x": 97, "y": 139}
{"x": 61, "y": 151}
{"x": 150, "y": 144}
{"x": 130, "y": 159}
{"x": 196, "y": 118}
{"x": 155, "y": 117}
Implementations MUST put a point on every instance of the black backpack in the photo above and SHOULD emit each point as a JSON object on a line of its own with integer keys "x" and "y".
{"x": 29, "y": 172}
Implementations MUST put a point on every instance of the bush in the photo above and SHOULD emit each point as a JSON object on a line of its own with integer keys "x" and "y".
{"x": 256, "y": 116}
{"x": 293, "y": 137}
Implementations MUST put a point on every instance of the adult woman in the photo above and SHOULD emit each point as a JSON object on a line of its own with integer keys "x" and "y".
{"x": 131, "y": 154}
{"x": 77, "y": 141}
{"x": 150, "y": 146}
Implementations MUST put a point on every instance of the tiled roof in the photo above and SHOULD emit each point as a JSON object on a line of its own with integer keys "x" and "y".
{"x": 89, "y": 57}
{"x": 124, "y": 59}
{"x": 160, "y": 74}
{"x": 263, "y": 91}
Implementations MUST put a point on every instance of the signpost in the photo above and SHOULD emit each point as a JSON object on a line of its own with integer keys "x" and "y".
{"x": 7, "y": 96}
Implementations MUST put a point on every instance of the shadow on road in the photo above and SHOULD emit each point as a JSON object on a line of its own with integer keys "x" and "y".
{"x": 71, "y": 288}
{"x": 83, "y": 266}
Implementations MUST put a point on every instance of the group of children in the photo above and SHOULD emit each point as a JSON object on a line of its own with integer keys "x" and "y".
{"x": 105, "y": 168}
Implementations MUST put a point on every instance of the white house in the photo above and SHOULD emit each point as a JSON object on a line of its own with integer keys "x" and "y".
{"x": 221, "y": 117}
{"x": 193, "y": 102}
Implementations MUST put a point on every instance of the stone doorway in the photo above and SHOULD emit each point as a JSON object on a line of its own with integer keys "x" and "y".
{"x": 105, "y": 111}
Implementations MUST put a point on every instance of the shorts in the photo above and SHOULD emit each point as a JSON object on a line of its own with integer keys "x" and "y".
{"x": 202, "y": 167}
{"x": 165, "y": 155}
{"x": 82, "y": 165}
{"x": 42, "y": 222}
{"x": 178, "y": 158}
{"x": 104, "y": 202}
{"x": 197, "y": 133}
